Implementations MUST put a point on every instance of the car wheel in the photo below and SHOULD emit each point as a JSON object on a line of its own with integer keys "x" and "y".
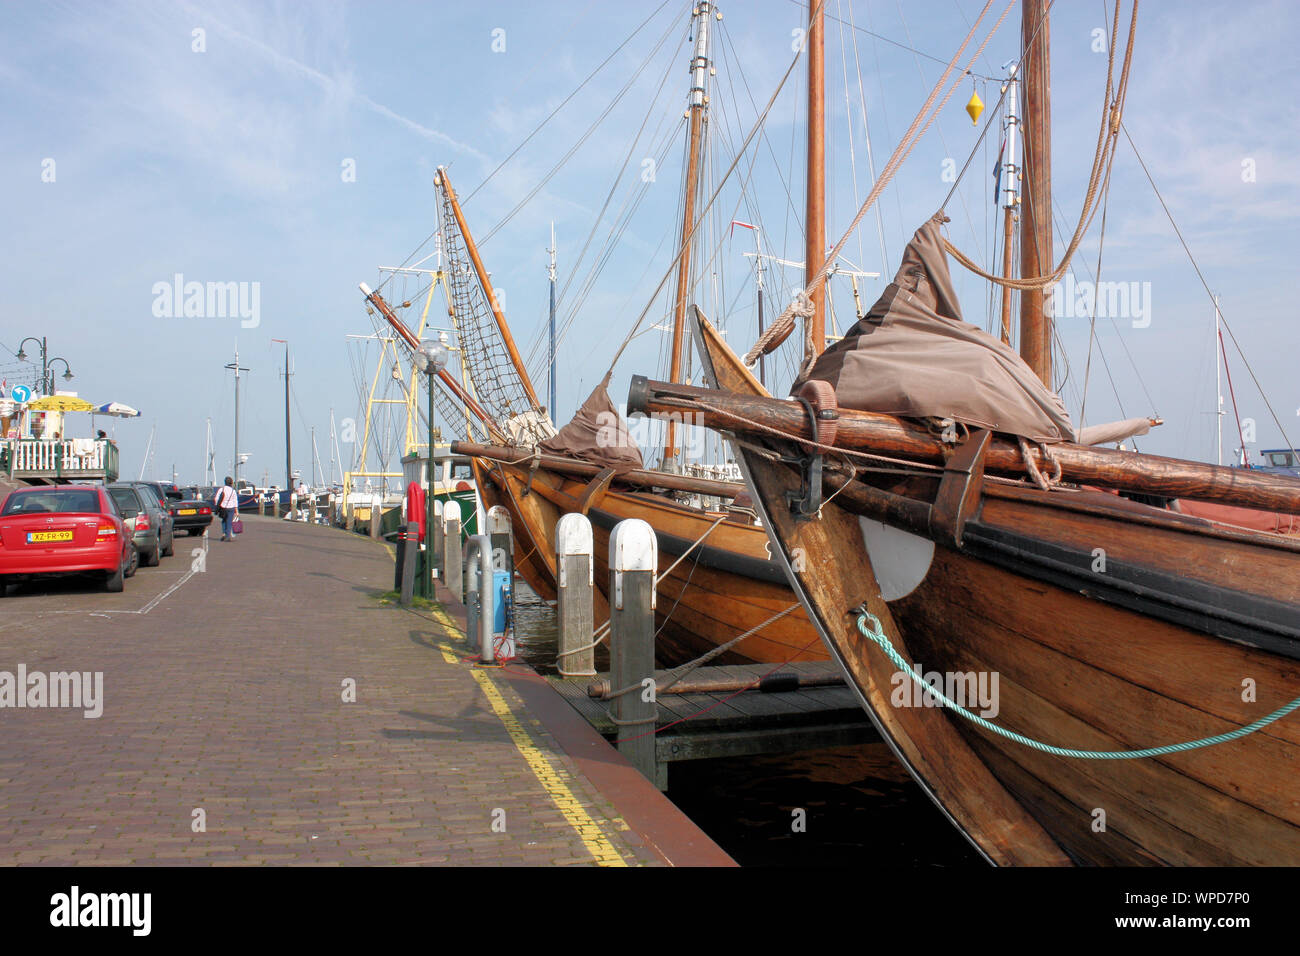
{"x": 134, "y": 564}
{"x": 152, "y": 559}
{"x": 195, "y": 532}
{"x": 4, "y": 587}
{"x": 171, "y": 545}
{"x": 113, "y": 583}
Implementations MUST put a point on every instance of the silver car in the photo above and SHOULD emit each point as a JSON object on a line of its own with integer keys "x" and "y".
{"x": 150, "y": 525}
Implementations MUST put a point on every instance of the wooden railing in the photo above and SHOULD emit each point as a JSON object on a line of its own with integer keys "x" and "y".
{"x": 64, "y": 458}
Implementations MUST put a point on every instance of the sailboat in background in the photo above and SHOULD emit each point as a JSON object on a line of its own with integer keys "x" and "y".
{"x": 717, "y": 578}
{"x": 1148, "y": 660}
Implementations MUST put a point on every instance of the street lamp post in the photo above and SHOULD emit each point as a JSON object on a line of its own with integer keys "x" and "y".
{"x": 237, "y": 368}
{"x": 432, "y": 357}
{"x": 47, "y": 376}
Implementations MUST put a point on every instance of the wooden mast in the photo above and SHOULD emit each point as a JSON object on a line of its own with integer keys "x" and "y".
{"x": 1010, "y": 190}
{"x": 1036, "y": 211}
{"x": 698, "y": 99}
{"x": 815, "y": 200}
{"x": 502, "y": 326}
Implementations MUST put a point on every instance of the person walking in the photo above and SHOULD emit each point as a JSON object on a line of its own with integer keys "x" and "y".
{"x": 227, "y": 504}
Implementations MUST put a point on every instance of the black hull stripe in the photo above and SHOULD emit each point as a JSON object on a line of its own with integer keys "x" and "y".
{"x": 1246, "y": 619}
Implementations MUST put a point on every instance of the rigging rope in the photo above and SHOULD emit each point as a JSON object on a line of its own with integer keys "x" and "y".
{"x": 877, "y": 636}
{"x": 1103, "y": 159}
{"x": 784, "y": 325}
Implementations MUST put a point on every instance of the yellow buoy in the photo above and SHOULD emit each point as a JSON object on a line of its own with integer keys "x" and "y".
{"x": 975, "y": 107}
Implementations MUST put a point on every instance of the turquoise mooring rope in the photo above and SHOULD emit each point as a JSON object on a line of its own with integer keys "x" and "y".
{"x": 877, "y": 635}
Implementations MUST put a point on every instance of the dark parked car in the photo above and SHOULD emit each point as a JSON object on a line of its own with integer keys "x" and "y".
{"x": 63, "y": 529}
{"x": 191, "y": 511}
{"x": 151, "y": 524}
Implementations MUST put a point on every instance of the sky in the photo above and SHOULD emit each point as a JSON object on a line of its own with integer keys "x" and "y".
{"x": 286, "y": 151}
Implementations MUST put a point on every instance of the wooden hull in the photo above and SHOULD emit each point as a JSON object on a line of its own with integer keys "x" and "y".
{"x": 723, "y": 588}
{"x": 1162, "y": 643}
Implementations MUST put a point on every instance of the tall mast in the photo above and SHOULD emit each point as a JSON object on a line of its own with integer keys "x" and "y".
{"x": 1218, "y": 386}
{"x": 1010, "y": 198}
{"x": 1036, "y": 214}
{"x": 550, "y": 271}
{"x": 484, "y": 280}
{"x": 698, "y": 99}
{"x": 334, "y": 444}
{"x": 815, "y": 200}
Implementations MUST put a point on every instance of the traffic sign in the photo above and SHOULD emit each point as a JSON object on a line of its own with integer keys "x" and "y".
{"x": 21, "y": 394}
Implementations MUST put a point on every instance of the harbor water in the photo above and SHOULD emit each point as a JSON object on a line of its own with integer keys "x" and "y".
{"x": 839, "y": 806}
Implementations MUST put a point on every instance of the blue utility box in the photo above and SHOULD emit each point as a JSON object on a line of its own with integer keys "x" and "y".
{"x": 501, "y": 615}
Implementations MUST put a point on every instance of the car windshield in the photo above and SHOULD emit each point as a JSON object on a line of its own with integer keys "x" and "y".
{"x": 55, "y": 501}
{"x": 126, "y": 499}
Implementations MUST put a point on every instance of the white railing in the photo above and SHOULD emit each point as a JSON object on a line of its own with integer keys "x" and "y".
{"x": 66, "y": 456}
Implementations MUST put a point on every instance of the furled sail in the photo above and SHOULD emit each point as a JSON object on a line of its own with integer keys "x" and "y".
{"x": 597, "y": 434}
{"x": 912, "y": 355}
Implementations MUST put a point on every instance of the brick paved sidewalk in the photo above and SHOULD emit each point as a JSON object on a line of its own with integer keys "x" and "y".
{"x": 227, "y": 698}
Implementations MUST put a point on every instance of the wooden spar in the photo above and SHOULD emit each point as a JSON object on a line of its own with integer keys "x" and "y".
{"x": 570, "y": 466}
{"x": 1008, "y": 235}
{"x": 699, "y": 70}
{"x": 815, "y": 200}
{"x": 1036, "y": 216}
{"x": 377, "y": 300}
{"x": 502, "y": 326}
{"x": 887, "y": 435}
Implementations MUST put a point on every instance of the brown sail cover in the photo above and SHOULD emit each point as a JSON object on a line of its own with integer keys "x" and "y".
{"x": 597, "y": 434}
{"x": 912, "y": 355}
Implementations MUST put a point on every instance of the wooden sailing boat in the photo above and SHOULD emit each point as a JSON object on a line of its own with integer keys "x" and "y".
{"x": 718, "y": 578}
{"x": 1113, "y": 625}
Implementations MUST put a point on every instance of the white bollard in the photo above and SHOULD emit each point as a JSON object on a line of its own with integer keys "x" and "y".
{"x": 633, "y": 564}
{"x": 451, "y": 554}
{"x": 501, "y": 531}
{"x": 574, "y": 561}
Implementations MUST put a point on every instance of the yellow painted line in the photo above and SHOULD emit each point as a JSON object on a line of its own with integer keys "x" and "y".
{"x": 588, "y": 830}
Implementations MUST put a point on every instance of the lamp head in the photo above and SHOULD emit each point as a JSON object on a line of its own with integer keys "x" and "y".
{"x": 432, "y": 357}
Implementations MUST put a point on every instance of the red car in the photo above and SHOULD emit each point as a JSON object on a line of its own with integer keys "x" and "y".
{"x": 63, "y": 529}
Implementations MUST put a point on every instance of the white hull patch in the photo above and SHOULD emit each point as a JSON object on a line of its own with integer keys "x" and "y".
{"x": 901, "y": 559}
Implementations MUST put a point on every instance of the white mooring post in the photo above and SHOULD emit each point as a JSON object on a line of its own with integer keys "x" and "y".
{"x": 376, "y": 515}
{"x": 501, "y": 532}
{"x": 574, "y": 562}
{"x": 434, "y": 544}
{"x": 633, "y": 563}
{"x": 478, "y": 561}
{"x": 474, "y": 586}
{"x": 293, "y": 506}
{"x": 451, "y": 549}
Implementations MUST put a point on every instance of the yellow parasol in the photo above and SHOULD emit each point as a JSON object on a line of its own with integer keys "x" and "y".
{"x": 60, "y": 403}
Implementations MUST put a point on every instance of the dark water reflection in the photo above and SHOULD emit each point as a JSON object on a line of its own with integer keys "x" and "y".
{"x": 860, "y": 806}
